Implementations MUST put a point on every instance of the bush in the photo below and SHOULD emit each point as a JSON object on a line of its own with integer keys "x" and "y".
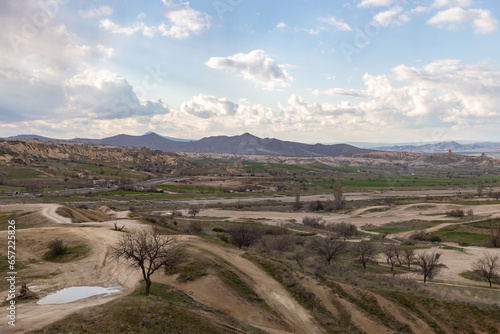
{"x": 418, "y": 235}
{"x": 315, "y": 222}
{"x": 218, "y": 229}
{"x": 456, "y": 213}
{"x": 315, "y": 206}
{"x": 343, "y": 229}
{"x": 194, "y": 228}
{"x": 57, "y": 247}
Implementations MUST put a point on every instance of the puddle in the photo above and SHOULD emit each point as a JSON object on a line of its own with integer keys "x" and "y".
{"x": 71, "y": 294}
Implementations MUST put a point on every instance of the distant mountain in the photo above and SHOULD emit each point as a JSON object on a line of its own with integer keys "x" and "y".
{"x": 171, "y": 138}
{"x": 243, "y": 144}
{"x": 443, "y": 147}
{"x": 32, "y": 137}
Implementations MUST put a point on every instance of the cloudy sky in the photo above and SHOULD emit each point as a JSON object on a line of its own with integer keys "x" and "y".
{"x": 304, "y": 70}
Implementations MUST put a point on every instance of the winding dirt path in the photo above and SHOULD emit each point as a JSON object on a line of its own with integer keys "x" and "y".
{"x": 266, "y": 287}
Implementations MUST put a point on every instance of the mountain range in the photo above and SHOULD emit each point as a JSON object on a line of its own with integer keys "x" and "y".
{"x": 250, "y": 144}
{"x": 242, "y": 144}
{"x": 443, "y": 147}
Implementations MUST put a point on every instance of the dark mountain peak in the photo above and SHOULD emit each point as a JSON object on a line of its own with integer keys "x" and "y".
{"x": 248, "y": 135}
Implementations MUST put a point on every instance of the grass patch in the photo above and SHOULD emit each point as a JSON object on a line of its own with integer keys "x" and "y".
{"x": 461, "y": 238}
{"x": 70, "y": 254}
{"x": 459, "y": 249}
{"x": 403, "y": 226}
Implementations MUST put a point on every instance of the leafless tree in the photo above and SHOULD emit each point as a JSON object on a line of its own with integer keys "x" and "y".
{"x": 366, "y": 252}
{"x": 243, "y": 235}
{"x": 329, "y": 248}
{"x": 480, "y": 187}
{"x": 148, "y": 250}
{"x": 343, "y": 229}
{"x": 392, "y": 254}
{"x": 494, "y": 239}
{"x": 193, "y": 212}
{"x": 488, "y": 267}
{"x": 408, "y": 255}
{"x": 4, "y": 177}
{"x": 428, "y": 264}
{"x": 297, "y": 205}
{"x": 278, "y": 243}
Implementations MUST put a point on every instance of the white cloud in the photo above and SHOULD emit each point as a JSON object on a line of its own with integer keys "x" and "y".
{"x": 375, "y": 3}
{"x": 96, "y": 12}
{"x": 184, "y": 20}
{"x": 281, "y": 26}
{"x": 391, "y": 17}
{"x": 114, "y": 28}
{"x": 206, "y": 106}
{"x": 254, "y": 66}
{"x": 452, "y": 19}
{"x": 339, "y": 24}
{"x": 105, "y": 52}
{"x": 105, "y": 95}
{"x": 451, "y": 3}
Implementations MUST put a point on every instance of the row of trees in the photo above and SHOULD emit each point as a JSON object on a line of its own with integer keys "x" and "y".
{"x": 149, "y": 250}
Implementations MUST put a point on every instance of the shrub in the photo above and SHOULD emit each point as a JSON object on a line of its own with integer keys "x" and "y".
{"x": 194, "y": 228}
{"x": 57, "y": 247}
{"x": 418, "y": 235}
{"x": 456, "y": 213}
{"x": 315, "y": 222}
{"x": 218, "y": 229}
{"x": 343, "y": 229}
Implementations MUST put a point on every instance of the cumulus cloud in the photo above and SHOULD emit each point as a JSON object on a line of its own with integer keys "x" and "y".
{"x": 96, "y": 12}
{"x": 451, "y": 3}
{"x": 337, "y": 23}
{"x": 114, "y": 28}
{"x": 26, "y": 97}
{"x": 391, "y": 17}
{"x": 453, "y": 18}
{"x": 375, "y": 3}
{"x": 106, "y": 95}
{"x": 206, "y": 106}
{"x": 443, "y": 93}
{"x": 184, "y": 20}
{"x": 254, "y": 66}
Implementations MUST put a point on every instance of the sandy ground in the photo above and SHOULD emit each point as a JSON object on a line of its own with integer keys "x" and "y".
{"x": 96, "y": 269}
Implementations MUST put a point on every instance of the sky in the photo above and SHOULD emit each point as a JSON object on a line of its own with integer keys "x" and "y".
{"x": 327, "y": 71}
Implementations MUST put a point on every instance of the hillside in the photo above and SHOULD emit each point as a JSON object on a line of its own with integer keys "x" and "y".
{"x": 29, "y": 151}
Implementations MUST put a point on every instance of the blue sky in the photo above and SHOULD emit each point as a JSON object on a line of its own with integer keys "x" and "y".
{"x": 302, "y": 70}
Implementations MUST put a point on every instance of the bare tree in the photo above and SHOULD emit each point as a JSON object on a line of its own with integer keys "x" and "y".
{"x": 494, "y": 239}
{"x": 329, "y": 248}
{"x": 343, "y": 229}
{"x": 148, "y": 250}
{"x": 428, "y": 264}
{"x": 480, "y": 187}
{"x": 339, "y": 200}
{"x": 408, "y": 255}
{"x": 392, "y": 253}
{"x": 297, "y": 205}
{"x": 193, "y": 212}
{"x": 366, "y": 252}
{"x": 4, "y": 177}
{"x": 488, "y": 267}
{"x": 244, "y": 235}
